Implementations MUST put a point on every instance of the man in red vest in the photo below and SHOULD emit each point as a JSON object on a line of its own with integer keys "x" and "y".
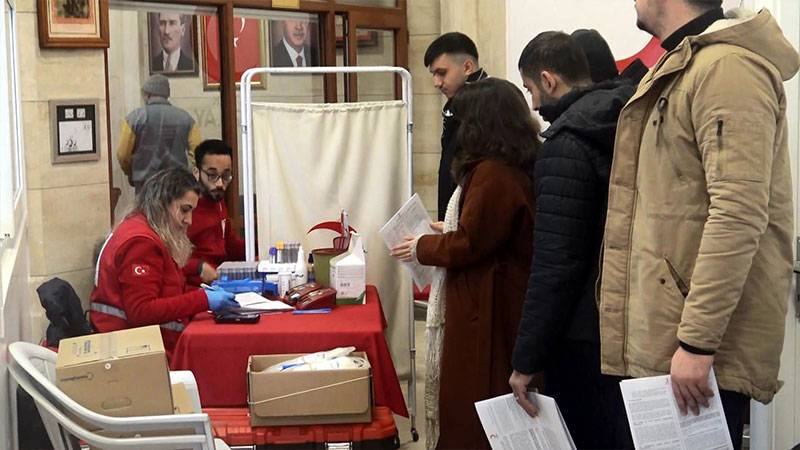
{"x": 211, "y": 232}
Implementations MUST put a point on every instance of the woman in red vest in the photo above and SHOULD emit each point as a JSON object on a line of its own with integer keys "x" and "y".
{"x": 138, "y": 280}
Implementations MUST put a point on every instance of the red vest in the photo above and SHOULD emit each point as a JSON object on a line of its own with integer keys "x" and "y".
{"x": 214, "y": 239}
{"x": 137, "y": 283}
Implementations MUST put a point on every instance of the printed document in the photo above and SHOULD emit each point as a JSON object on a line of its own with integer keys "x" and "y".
{"x": 252, "y": 302}
{"x": 657, "y": 423}
{"x": 410, "y": 220}
{"x": 509, "y": 427}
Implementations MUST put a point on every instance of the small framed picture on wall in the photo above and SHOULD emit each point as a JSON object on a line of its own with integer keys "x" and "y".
{"x": 72, "y": 23}
{"x": 172, "y": 43}
{"x": 74, "y": 130}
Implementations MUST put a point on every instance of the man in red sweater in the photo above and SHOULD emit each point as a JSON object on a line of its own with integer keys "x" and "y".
{"x": 211, "y": 232}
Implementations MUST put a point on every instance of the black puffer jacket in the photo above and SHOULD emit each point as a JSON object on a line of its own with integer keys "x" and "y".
{"x": 571, "y": 179}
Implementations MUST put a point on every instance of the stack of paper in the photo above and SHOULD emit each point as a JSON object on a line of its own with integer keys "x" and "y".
{"x": 657, "y": 423}
{"x": 252, "y": 302}
{"x": 410, "y": 220}
{"x": 509, "y": 427}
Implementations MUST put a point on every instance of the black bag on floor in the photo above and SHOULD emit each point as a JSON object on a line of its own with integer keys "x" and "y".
{"x": 63, "y": 308}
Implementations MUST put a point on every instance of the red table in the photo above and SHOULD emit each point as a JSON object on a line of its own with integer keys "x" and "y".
{"x": 217, "y": 353}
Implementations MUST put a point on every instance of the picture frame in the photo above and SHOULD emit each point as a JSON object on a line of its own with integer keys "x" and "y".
{"x": 72, "y": 23}
{"x": 300, "y": 30}
{"x": 173, "y": 33}
{"x": 75, "y": 130}
{"x": 364, "y": 38}
{"x": 248, "y": 44}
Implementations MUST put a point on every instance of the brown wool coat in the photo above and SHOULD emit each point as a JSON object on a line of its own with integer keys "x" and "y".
{"x": 487, "y": 261}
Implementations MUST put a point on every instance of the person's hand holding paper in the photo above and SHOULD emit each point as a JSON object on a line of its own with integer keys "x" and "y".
{"x": 400, "y": 234}
{"x": 405, "y": 250}
{"x": 689, "y": 377}
{"x": 519, "y": 385}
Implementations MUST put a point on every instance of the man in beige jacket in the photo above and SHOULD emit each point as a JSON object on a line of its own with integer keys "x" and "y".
{"x": 698, "y": 244}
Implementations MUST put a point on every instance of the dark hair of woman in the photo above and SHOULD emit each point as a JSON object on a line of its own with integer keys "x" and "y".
{"x": 494, "y": 123}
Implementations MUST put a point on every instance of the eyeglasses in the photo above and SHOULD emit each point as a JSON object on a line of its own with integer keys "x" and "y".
{"x": 213, "y": 176}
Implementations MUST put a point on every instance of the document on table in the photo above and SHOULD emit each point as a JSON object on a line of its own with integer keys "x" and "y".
{"x": 410, "y": 220}
{"x": 509, "y": 427}
{"x": 657, "y": 423}
{"x": 252, "y": 302}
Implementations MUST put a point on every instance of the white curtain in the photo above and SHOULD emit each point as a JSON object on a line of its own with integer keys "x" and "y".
{"x": 313, "y": 160}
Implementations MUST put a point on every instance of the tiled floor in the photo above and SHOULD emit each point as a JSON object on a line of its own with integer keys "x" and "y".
{"x": 403, "y": 424}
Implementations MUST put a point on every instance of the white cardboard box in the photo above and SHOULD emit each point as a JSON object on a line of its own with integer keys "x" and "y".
{"x": 349, "y": 272}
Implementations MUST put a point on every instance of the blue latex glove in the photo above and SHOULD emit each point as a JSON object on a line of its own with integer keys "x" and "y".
{"x": 219, "y": 299}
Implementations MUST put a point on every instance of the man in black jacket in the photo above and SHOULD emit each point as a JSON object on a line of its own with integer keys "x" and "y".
{"x": 452, "y": 59}
{"x": 559, "y": 331}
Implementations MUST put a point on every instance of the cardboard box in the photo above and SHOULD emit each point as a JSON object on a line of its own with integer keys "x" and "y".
{"x": 307, "y": 398}
{"x": 182, "y": 404}
{"x": 349, "y": 273}
{"x": 121, "y": 373}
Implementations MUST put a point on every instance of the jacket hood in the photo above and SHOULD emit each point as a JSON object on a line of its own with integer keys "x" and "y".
{"x": 757, "y": 32}
{"x": 590, "y": 113}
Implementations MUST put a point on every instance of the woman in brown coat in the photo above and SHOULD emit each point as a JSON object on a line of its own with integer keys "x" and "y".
{"x": 485, "y": 252}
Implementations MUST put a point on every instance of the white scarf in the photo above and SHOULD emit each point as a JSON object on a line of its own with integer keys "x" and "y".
{"x": 434, "y": 332}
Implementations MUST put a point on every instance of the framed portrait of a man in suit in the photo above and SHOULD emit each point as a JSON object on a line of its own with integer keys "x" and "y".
{"x": 294, "y": 42}
{"x": 172, "y": 43}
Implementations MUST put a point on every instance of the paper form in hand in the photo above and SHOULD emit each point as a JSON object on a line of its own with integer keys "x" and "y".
{"x": 252, "y": 302}
{"x": 657, "y": 423}
{"x": 410, "y": 220}
{"x": 509, "y": 427}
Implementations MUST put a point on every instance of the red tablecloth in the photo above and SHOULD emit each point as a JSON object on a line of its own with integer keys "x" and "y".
{"x": 217, "y": 353}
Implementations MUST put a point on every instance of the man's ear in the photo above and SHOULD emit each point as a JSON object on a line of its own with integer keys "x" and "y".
{"x": 196, "y": 173}
{"x": 549, "y": 81}
{"x": 469, "y": 66}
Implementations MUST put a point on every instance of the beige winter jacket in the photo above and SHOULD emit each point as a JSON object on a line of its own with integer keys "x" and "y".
{"x": 698, "y": 244}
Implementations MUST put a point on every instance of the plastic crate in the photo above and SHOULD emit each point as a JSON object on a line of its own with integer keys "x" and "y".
{"x": 232, "y": 425}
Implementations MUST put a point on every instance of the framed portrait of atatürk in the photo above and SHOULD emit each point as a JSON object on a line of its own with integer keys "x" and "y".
{"x": 172, "y": 43}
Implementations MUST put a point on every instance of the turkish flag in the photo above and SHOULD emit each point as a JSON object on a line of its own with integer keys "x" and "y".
{"x": 649, "y": 55}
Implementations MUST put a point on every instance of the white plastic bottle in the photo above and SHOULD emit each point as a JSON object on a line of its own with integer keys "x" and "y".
{"x": 300, "y": 275}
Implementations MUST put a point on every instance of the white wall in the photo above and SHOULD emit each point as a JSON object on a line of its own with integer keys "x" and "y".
{"x": 614, "y": 19}
{"x": 777, "y": 425}
{"x": 14, "y": 266}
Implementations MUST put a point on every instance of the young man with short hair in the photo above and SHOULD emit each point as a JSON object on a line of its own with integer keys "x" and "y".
{"x": 452, "y": 60}
{"x": 558, "y": 332}
{"x": 211, "y": 232}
